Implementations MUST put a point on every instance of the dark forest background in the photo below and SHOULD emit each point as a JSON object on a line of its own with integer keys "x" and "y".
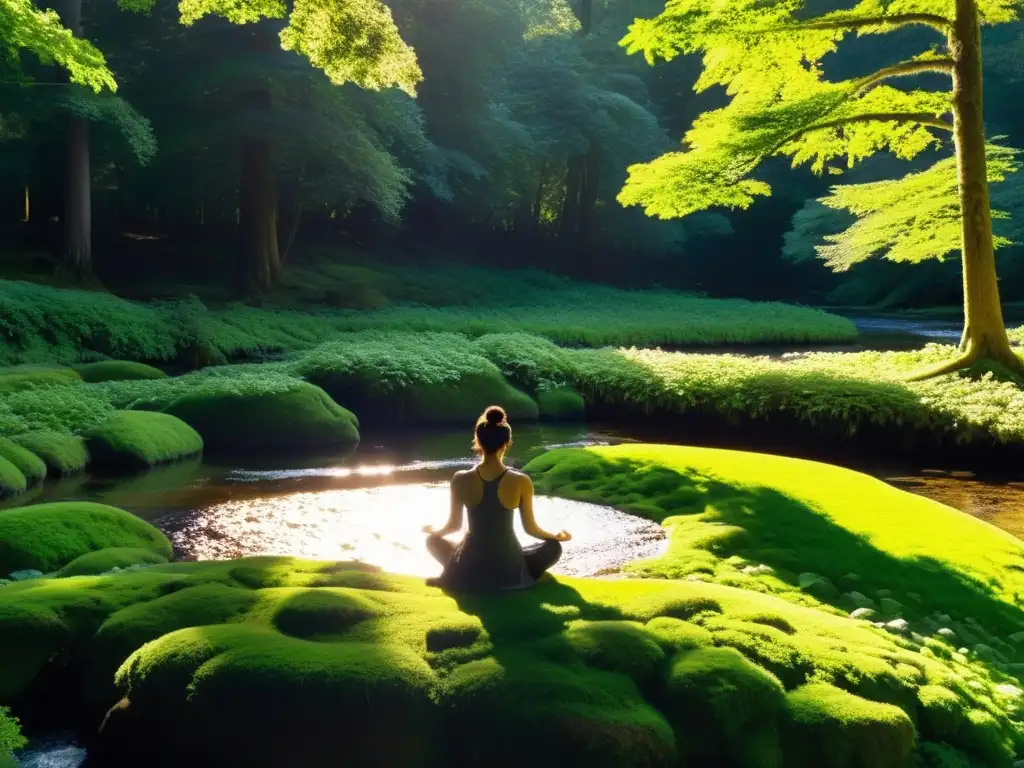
{"x": 223, "y": 159}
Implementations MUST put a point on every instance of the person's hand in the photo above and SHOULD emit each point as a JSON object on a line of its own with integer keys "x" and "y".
{"x": 563, "y": 535}
{"x": 428, "y": 529}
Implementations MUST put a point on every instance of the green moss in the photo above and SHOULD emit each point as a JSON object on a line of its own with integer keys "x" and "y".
{"x": 726, "y": 509}
{"x": 132, "y": 440}
{"x": 105, "y": 560}
{"x": 401, "y": 378}
{"x": 560, "y": 405}
{"x": 12, "y": 481}
{"x": 279, "y": 660}
{"x": 46, "y": 537}
{"x": 10, "y": 735}
{"x": 720, "y": 701}
{"x": 831, "y": 728}
{"x": 302, "y": 415}
{"x": 117, "y": 370}
{"x": 62, "y": 453}
{"x": 24, "y": 377}
{"x": 30, "y": 465}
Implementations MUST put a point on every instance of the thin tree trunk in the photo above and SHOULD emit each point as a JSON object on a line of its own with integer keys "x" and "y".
{"x": 77, "y": 212}
{"x": 984, "y": 336}
{"x": 260, "y": 259}
{"x": 538, "y": 198}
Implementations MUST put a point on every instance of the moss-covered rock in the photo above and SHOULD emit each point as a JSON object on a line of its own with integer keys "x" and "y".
{"x": 62, "y": 453}
{"x": 236, "y": 658}
{"x": 31, "y": 376}
{"x": 464, "y": 400}
{"x": 561, "y": 405}
{"x": 117, "y": 370}
{"x": 30, "y": 465}
{"x": 830, "y": 727}
{"x": 303, "y": 415}
{"x": 106, "y": 560}
{"x": 133, "y": 440}
{"x": 12, "y": 481}
{"x": 47, "y": 537}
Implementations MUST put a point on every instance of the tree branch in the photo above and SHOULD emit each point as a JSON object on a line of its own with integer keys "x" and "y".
{"x": 878, "y": 117}
{"x": 906, "y": 68}
{"x": 941, "y": 23}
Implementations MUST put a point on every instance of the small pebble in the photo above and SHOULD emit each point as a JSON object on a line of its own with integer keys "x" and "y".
{"x": 26, "y": 575}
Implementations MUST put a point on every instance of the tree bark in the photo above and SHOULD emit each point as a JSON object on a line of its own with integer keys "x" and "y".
{"x": 77, "y": 209}
{"x": 259, "y": 257}
{"x": 984, "y": 335}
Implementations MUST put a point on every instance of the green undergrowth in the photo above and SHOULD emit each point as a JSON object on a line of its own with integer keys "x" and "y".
{"x": 280, "y": 661}
{"x": 42, "y": 324}
{"x": 807, "y": 531}
{"x": 10, "y": 738}
{"x": 32, "y": 468}
{"x": 46, "y": 537}
{"x": 105, "y": 560}
{"x": 445, "y": 377}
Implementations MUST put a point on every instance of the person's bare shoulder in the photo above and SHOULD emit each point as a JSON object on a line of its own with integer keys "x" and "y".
{"x": 522, "y": 479}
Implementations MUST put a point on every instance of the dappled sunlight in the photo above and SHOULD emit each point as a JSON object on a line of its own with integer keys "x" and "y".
{"x": 383, "y": 526}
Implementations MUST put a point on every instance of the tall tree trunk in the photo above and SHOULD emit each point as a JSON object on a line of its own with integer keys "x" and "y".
{"x": 77, "y": 212}
{"x": 984, "y": 336}
{"x": 259, "y": 258}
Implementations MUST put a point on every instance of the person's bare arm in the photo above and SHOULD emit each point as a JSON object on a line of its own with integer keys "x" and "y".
{"x": 454, "y": 514}
{"x": 529, "y": 521}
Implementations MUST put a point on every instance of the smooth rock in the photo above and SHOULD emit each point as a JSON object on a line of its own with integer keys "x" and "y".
{"x": 850, "y": 580}
{"x": 1017, "y": 638}
{"x": 883, "y": 593}
{"x": 897, "y": 625}
{"x": 915, "y": 597}
{"x": 946, "y": 634}
{"x": 891, "y": 607}
{"x": 861, "y": 600}
{"x": 26, "y": 575}
{"x": 864, "y": 614}
{"x": 807, "y": 578}
{"x": 758, "y": 570}
{"x": 943, "y": 618}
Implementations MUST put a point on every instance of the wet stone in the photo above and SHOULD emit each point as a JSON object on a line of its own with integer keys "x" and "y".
{"x": 864, "y": 614}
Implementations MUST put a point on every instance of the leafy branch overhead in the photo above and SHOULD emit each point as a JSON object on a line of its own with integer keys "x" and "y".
{"x": 768, "y": 57}
{"x": 911, "y": 219}
{"x": 352, "y": 41}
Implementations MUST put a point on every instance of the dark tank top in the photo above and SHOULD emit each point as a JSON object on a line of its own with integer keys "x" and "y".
{"x": 489, "y": 557}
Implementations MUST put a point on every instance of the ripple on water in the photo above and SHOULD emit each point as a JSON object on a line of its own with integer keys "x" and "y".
{"x": 383, "y": 526}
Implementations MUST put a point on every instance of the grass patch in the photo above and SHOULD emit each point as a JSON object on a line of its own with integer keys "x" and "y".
{"x": 133, "y": 440}
{"x": 283, "y": 659}
{"x": 729, "y": 512}
{"x": 46, "y": 537}
{"x": 12, "y": 481}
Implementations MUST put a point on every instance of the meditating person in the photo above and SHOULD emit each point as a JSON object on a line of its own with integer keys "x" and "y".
{"x": 489, "y": 557}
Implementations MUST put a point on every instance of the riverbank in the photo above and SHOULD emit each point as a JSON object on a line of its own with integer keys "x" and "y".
{"x": 772, "y": 553}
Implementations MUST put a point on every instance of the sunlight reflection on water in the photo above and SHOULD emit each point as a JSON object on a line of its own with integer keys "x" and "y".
{"x": 382, "y": 525}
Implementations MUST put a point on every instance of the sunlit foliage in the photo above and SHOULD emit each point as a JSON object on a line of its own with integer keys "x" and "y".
{"x": 768, "y": 56}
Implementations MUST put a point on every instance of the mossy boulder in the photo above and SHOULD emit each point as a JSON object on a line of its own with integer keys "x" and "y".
{"x": 31, "y": 466}
{"x": 830, "y": 727}
{"x": 62, "y": 453}
{"x": 433, "y": 378}
{"x": 278, "y": 661}
{"x": 117, "y": 370}
{"x": 12, "y": 481}
{"x": 30, "y": 376}
{"x": 302, "y": 416}
{"x": 105, "y": 560}
{"x": 47, "y": 537}
{"x": 134, "y": 440}
{"x": 560, "y": 405}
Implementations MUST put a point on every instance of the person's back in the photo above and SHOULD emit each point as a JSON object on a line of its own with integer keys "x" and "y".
{"x": 490, "y": 557}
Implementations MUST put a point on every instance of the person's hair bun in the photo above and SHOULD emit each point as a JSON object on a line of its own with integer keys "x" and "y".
{"x": 494, "y": 415}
